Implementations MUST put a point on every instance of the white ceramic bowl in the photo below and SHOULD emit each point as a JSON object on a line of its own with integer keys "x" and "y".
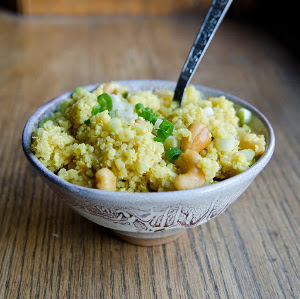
{"x": 151, "y": 218}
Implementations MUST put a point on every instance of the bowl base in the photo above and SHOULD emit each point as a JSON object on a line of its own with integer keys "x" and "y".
{"x": 148, "y": 241}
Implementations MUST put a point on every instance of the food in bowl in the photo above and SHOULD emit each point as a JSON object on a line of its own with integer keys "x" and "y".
{"x": 116, "y": 139}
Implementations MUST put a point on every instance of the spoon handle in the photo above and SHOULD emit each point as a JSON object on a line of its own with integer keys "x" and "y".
{"x": 207, "y": 31}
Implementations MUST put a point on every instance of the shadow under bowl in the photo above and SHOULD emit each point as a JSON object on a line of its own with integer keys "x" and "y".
{"x": 157, "y": 217}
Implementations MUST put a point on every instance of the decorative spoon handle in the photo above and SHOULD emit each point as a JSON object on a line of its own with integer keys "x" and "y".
{"x": 207, "y": 31}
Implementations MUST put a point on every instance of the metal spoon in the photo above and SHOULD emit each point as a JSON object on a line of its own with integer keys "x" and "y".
{"x": 206, "y": 33}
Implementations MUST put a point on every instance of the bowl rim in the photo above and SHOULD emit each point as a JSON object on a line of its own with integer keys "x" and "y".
{"x": 164, "y": 196}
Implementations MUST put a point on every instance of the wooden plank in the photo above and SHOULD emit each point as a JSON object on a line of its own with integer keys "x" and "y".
{"x": 121, "y": 7}
{"x": 112, "y": 7}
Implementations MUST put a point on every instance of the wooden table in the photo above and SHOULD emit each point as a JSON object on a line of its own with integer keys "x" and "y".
{"x": 49, "y": 251}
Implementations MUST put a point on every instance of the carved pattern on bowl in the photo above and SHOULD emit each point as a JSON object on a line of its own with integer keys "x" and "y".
{"x": 156, "y": 218}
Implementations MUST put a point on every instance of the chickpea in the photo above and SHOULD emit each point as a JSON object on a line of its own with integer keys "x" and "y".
{"x": 111, "y": 87}
{"x": 199, "y": 139}
{"x": 105, "y": 180}
{"x": 194, "y": 176}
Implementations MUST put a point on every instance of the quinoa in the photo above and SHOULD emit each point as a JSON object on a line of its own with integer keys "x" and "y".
{"x": 75, "y": 149}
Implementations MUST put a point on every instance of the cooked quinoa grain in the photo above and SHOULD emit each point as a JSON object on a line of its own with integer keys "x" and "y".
{"x": 126, "y": 136}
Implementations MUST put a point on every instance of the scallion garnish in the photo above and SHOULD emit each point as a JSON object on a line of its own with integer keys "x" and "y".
{"x": 245, "y": 116}
{"x": 96, "y": 110}
{"x": 115, "y": 124}
{"x": 44, "y": 120}
{"x": 171, "y": 141}
{"x": 162, "y": 134}
{"x": 64, "y": 105}
{"x": 76, "y": 90}
{"x": 172, "y": 154}
{"x": 148, "y": 114}
{"x": 225, "y": 144}
{"x": 167, "y": 126}
{"x": 158, "y": 139}
{"x": 139, "y": 109}
{"x": 105, "y": 102}
{"x": 163, "y": 129}
{"x": 87, "y": 121}
{"x": 157, "y": 123}
{"x": 249, "y": 154}
{"x": 113, "y": 113}
{"x": 155, "y": 117}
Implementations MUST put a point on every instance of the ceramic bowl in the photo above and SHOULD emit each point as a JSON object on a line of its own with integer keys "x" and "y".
{"x": 151, "y": 218}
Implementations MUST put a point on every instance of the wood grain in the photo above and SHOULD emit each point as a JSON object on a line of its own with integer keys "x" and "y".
{"x": 112, "y": 7}
{"x": 49, "y": 251}
{"x": 121, "y": 7}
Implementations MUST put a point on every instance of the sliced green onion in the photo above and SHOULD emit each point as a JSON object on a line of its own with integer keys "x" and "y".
{"x": 105, "y": 101}
{"x": 125, "y": 94}
{"x": 158, "y": 139}
{"x": 148, "y": 114}
{"x": 115, "y": 124}
{"x": 155, "y": 117}
{"x": 163, "y": 128}
{"x": 77, "y": 89}
{"x": 245, "y": 116}
{"x": 96, "y": 110}
{"x": 249, "y": 154}
{"x": 225, "y": 144}
{"x": 103, "y": 105}
{"x": 172, "y": 154}
{"x": 157, "y": 123}
{"x": 87, "y": 121}
{"x": 171, "y": 141}
{"x": 113, "y": 113}
{"x": 125, "y": 109}
{"x": 44, "y": 120}
{"x": 64, "y": 105}
{"x": 208, "y": 111}
{"x": 164, "y": 131}
{"x": 108, "y": 101}
{"x": 167, "y": 126}
{"x": 138, "y": 109}
{"x": 163, "y": 135}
